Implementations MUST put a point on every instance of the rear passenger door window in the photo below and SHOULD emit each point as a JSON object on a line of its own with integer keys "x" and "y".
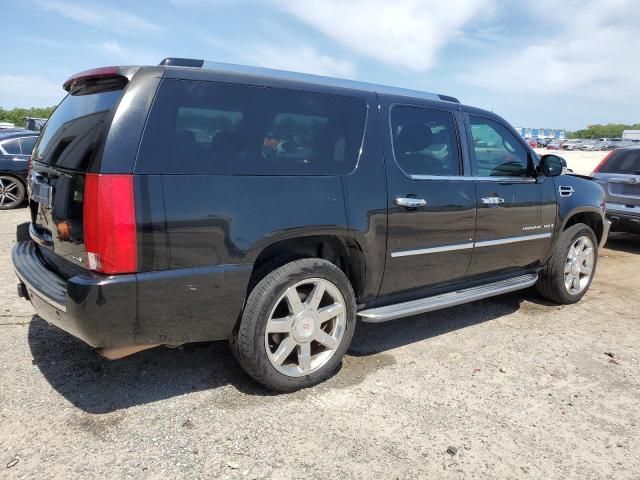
{"x": 27, "y": 144}
{"x": 198, "y": 127}
{"x": 498, "y": 153}
{"x": 425, "y": 141}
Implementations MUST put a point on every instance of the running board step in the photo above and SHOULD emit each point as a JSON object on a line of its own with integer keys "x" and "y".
{"x": 429, "y": 304}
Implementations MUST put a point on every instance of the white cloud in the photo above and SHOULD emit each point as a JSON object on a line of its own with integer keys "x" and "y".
{"x": 104, "y": 18}
{"x": 115, "y": 52}
{"x": 112, "y": 48}
{"x": 300, "y": 59}
{"x": 590, "y": 50}
{"x": 406, "y": 33}
{"x": 29, "y": 91}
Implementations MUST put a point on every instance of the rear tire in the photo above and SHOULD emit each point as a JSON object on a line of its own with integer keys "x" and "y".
{"x": 569, "y": 273}
{"x": 296, "y": 326}
{"x": 12, "y": 192}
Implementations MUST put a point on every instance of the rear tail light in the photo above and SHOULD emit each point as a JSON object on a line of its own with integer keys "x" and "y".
{"x": 603, "y": 162}
{"x": 109, "y": 221}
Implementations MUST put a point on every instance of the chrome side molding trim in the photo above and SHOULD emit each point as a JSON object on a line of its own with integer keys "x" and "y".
{"x": 469, "y": 178}
{"x": 464, "y": 246}
{"x": 437, "y": 302}
{"x": 423, "y": 251}
{"x": 505, "y": 241}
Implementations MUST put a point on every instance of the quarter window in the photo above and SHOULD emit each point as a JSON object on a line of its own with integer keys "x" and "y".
{"x": 498, "y": 153}
{"x": 198, "y": 127}
{"x": 12, "y": 147}
{"x": 425, "y": 141}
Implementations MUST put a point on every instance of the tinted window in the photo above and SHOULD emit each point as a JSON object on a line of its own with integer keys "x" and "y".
{"x": 12, "y": 147}
{"x": 425, "y": 141}
{"x": 211, "y": 128}
{"x": 69, "y": 139}
{"x": 625, "y": 162}
{"x": 26, "y": 144}
{"x": 498, "y": 152}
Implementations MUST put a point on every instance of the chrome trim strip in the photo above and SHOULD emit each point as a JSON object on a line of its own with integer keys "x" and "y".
{"x": 505, "y": 241}
{"x": 437, "y": 302}
{"x": 464, "y": 246}
{"x": 463, "y": 178}
{"x": 423, "y": 251}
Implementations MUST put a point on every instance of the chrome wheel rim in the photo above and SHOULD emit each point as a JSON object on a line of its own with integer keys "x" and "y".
{"x": 305, "y": 327}
{"x": 579, "y": 265}
{"x": 9, "y": 192}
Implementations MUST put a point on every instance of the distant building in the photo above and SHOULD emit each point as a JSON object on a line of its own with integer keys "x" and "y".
{"x": 541, "y": 133}
{"x": 631, "y": 135}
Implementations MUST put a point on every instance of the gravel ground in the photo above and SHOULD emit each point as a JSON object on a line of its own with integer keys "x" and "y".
{"x": 504, "y": 388}
{"x": 577, "y": 160}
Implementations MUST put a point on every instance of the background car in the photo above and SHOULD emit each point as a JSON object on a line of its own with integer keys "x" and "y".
{"x": 572, "y": 144}
{"x": 554, "y": 145}
{"x": 590, "y": 145}
{"x": 619, "y": 175}
{"x": 15, "y": 149}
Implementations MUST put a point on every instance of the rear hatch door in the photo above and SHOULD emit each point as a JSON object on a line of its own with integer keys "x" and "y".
{"x": 67, "y": 149}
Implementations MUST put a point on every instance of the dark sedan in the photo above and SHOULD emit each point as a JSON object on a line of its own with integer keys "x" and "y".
{"x": 15, "y": 150}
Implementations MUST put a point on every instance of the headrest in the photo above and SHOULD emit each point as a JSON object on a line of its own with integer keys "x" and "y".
{"x": 414, "y": 137}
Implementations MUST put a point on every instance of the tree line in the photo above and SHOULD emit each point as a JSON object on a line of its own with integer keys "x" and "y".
{"x": 17, "y": 115}
{"x": 611, "y": 130}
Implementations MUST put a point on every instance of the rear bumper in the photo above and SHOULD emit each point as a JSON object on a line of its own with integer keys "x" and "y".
{"x": 173, "y": 306}
{"x": 623, "y": 217}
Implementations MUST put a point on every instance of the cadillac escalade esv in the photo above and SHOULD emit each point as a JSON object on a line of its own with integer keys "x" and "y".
{"x": 196, "y": 201}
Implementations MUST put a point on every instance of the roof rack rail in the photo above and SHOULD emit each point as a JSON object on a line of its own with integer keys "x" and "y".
{"x": 304, "y": 77}
{"x": 182, "y": 62}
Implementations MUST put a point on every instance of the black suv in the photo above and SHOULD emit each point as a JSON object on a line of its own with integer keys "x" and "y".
{"x": 195, "y": 201}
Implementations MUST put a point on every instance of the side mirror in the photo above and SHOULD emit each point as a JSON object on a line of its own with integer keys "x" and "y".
{"x": 552, "y": 165}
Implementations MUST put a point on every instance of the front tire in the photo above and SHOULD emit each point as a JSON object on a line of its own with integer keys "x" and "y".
{"x": 569, "y": 273}
{"x": 296, "y": 325}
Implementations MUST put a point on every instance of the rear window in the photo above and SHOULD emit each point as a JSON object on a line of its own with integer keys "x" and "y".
{"x": 625, "y": 162}
{"x": 70, "y": 137}
{"x": 200, "y": 127}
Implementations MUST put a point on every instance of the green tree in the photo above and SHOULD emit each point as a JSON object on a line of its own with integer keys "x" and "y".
{"x": 17, "y": 115}
{"x": 610, "y": 130}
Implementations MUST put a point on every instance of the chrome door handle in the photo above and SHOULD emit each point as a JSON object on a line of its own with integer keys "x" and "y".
{"x": 492, "y": 200}
{"x": 411, "y": 202}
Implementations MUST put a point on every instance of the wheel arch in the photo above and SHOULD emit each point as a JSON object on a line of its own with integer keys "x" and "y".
{"x": 341, "y": 250}
{"x": 592, "y": 217}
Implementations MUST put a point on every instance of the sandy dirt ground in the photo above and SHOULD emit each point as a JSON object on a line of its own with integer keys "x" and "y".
{"x": 578, "y": 161}
{"x": 510, "y": 387}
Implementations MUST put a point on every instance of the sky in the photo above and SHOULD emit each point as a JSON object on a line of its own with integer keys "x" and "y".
{"x": 548, "y": 63}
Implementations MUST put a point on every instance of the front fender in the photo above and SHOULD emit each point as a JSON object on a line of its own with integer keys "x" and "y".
{"x": 587, "y": 198}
